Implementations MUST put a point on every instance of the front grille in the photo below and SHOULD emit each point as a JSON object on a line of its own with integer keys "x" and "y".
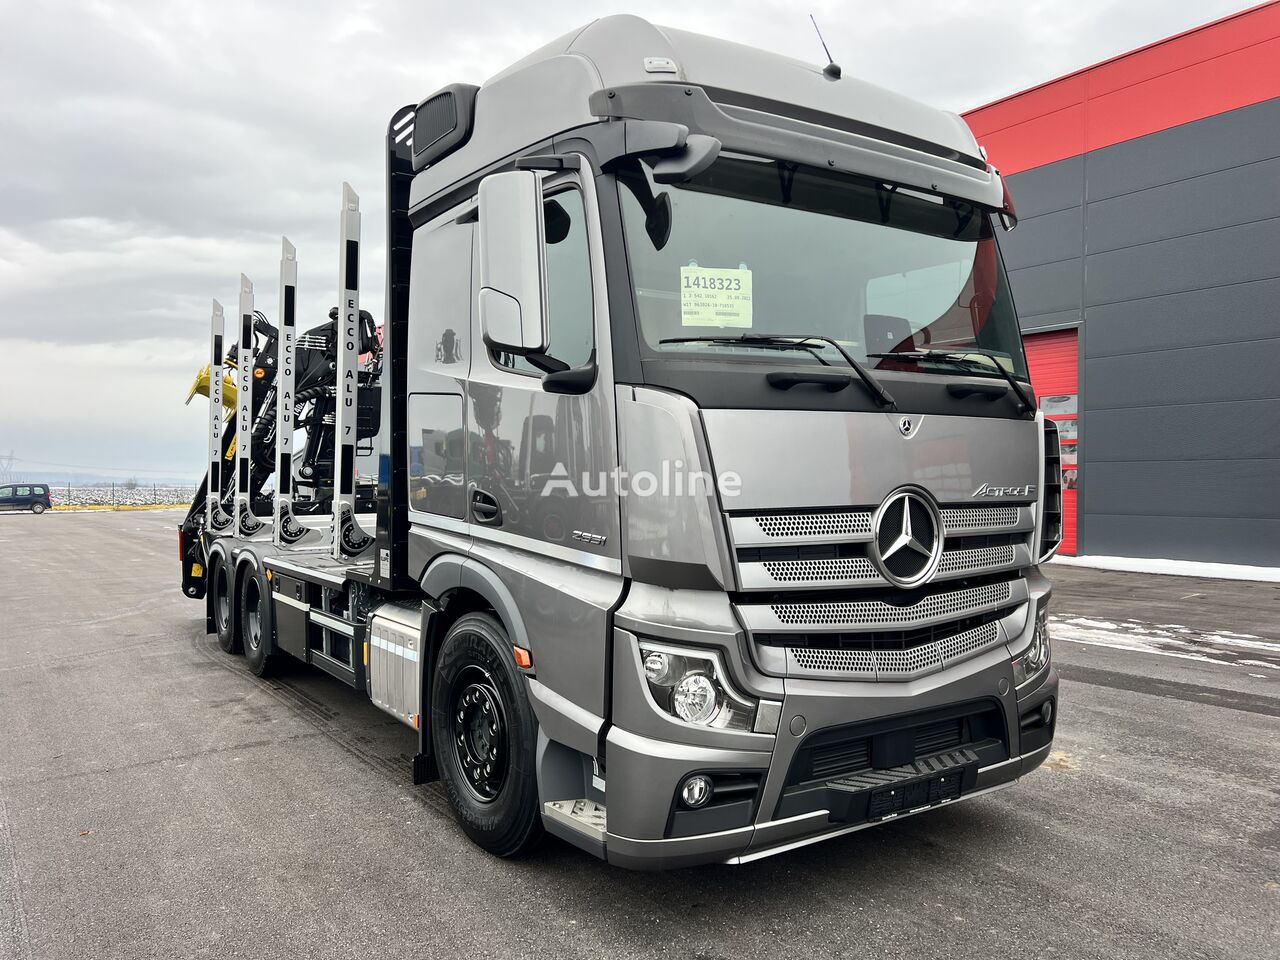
{"x": 854, "y": 524}
{"x": 871, "y": 612}
{"x": 847, "y": 564}
{"x": 832, "y": 549}
{"x": 969, "y": 561}
{"x": 879, "y": 639}
{"x": 791, "y": 525}
{"x": 898, "y": 664}
{"x": 848, "y": 570}
{"x": 810, "y": 589}
{"x": 979, "y": 518}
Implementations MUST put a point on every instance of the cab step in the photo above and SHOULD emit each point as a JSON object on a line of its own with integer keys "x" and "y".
{"x": 583, "y": 817}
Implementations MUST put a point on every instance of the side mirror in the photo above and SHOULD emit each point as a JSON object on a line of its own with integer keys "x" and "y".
{"x": 1008, "y": 216}
{"x": 513, "y": 298}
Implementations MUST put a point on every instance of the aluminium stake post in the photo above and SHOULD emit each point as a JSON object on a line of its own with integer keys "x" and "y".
{"x": 349, "y": 539}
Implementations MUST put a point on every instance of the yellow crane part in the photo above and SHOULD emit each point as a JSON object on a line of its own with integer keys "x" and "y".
{"x": 201, "y": 386}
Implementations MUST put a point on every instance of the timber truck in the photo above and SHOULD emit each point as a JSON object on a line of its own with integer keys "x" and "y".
{"x": 705, "y": 488}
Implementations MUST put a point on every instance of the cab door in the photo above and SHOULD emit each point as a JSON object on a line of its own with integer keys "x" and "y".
{"x": 544, "y": 514}
{"x": 538, "y": 461}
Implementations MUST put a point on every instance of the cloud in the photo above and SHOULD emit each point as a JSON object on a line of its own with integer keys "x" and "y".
{"x": 154, "y": 150}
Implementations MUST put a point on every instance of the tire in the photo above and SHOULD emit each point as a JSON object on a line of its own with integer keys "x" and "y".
{"x": 38, "y": 507}
{"x": 222, "y": 585}
{"x": 257, "y": 623}
{"x": 476, "y": 679}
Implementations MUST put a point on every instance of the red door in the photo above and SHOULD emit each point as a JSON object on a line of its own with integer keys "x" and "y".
{"x": 1053, "y": 359}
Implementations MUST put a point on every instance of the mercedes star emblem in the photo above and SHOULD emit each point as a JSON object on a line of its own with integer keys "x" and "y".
{"x": 908, "y": 538}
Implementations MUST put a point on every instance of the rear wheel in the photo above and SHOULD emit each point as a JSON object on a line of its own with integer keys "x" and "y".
{"x": 484, "y": 736}
{"x": 257, "y": 623}
{"x": 223, "y": 617}
{"x": 37, "y": 507}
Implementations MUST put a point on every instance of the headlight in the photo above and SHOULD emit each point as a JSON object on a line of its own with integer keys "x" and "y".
{"x": 691, "y": 686}
{"x": 1036, "y": 656}
{"x": 696, "y": 698}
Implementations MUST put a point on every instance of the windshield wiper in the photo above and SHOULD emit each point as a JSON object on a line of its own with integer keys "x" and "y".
{"x": 960, "y": 357}
{"x": 800, "y": 341}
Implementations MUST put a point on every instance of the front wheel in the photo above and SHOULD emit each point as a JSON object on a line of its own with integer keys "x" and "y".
{"x": 37, "y": 507}
{"x": 484, "y": 736}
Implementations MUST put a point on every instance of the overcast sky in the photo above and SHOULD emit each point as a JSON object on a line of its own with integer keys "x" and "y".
{"x": 150, "y": 152}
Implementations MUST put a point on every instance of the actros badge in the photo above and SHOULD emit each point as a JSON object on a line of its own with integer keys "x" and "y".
{"x": 986, "y": 490}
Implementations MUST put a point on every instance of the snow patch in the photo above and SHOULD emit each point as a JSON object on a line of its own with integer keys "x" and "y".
{"x": 1176, "y": 568}
{"x": 1221, "y": 648}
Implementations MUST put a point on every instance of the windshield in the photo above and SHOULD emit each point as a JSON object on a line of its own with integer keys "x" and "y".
{"x": 768, "y": 247}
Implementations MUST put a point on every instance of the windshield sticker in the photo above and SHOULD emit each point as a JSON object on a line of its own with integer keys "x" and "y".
{"x": 715, "y": 296}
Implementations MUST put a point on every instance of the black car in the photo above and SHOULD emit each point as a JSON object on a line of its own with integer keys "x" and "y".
{"x": 25, "y": 496}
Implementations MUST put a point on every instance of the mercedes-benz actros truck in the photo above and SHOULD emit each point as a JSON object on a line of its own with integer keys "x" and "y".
{"x": 690, "y": 497}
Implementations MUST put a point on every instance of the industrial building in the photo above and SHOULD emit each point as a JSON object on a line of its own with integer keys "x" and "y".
{"x": 1146, "y": 270}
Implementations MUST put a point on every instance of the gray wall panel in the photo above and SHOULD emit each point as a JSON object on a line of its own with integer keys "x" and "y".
{"x": 1244, "y": 311}
{"x": 1185, "y": 207}
{"x": 1051, "y": 288}
{"x": 1231, "y": 255}
{"x": 1045, "y": 189}
{"x": 1221, "y": 372}
{"x": 1187, "y": 538}
{"x": 1044, "y": 239}
{"x": 1215, "y": 143}
{"x": 1243, "y": 489}
{"x": 1180, "y": 384}
{"x": 1046, "y": 321}
{"x": 1230, "y": 430}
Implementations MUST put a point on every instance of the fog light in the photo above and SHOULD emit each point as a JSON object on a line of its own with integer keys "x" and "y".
{"x": 1046, "y": 712}
{"x": 696, "y": 791}
{"x": 695, "y": 698}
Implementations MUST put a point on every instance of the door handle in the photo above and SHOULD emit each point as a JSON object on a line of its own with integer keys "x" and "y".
{"x": 485, "y": 509}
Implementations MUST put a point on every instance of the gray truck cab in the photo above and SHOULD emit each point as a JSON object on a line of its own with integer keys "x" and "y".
{"x": 716, "y": 399}
{"x": 711, "y": 491}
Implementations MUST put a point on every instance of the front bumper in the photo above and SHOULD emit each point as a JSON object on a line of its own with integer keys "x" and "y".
{"x": 798, "y": 800}
{"x": 650, "y": 771}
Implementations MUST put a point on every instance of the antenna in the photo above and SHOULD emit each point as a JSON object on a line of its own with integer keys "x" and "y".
{"x": 832, "y": 70}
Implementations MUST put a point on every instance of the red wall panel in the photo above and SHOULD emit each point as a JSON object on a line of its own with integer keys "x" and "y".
{"x": 1053, "y": 362}
{"x": 1221, "y": 66}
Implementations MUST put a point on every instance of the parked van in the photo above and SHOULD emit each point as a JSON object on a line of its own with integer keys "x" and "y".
{"x": 25, "y": 496}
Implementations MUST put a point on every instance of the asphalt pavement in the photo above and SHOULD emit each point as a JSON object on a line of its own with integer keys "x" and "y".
{"x": 156, "y": 800}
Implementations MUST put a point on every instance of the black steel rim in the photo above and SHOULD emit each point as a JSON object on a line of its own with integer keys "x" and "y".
{"x": 223, "y": 605}
{"x": 480, "y": 733}
{"x": 253, "y": 609}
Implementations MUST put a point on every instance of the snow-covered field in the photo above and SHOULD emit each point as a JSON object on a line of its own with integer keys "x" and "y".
{"x": 124, "y": 495}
